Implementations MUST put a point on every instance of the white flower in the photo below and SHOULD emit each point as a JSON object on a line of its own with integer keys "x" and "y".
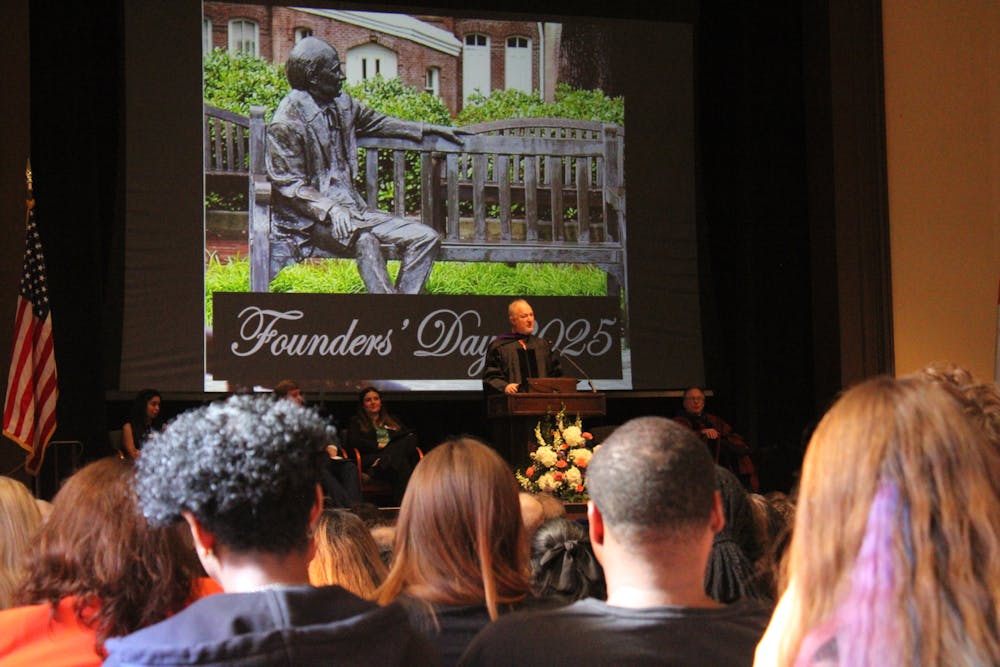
{"x": 580, "y": 456}
{"x": 573, "y": 436}
{"x": 546, "y": 456}
{"x": 548, "y": 483}
{"x": 573, "y": 476}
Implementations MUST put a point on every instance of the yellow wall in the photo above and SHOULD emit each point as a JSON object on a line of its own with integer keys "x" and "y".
{"x": 942, "y": 98}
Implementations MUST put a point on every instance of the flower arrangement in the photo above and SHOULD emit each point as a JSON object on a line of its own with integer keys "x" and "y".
{"x": 559, "y": 462}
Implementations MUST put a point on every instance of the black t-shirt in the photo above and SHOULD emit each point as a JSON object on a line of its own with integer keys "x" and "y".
{"x": 591, "y": 632}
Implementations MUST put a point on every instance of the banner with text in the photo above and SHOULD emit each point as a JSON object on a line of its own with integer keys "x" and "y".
{"x": 336, "y": 341}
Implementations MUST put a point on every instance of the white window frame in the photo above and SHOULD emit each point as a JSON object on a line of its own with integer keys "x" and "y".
{"x": 206, "y": 35}
{"x": 517, "y": 65}
{"x": 238, "y": 38}
{"x": 432, "y": 81}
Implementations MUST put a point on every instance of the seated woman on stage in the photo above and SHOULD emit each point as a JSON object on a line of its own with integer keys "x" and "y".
{"x": 460, "y": 556}
{"x": 244, "y": 475}
{"x": 388, "y": 448}
{"x": 143, "y": 421}
{"x": 96, "y": 570}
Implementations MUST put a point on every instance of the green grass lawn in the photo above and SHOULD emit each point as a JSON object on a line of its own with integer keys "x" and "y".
{"x": 340, "y": 276}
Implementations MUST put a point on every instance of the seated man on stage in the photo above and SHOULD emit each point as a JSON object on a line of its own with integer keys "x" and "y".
{"x": 514, "y": 357}
{"x": 727, "y": 447}
{"x": 339, "y": 477}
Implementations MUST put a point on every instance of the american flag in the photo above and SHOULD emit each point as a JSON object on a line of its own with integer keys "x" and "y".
{"x": 29, "y": 414}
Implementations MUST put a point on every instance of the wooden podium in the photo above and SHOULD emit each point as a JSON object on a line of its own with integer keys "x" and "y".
{"x": 514, "y": 417}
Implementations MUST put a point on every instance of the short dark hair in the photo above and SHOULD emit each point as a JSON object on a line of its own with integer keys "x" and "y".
{"x": 246, "y": 468}
{"x": 652, "y": 474}
{"x": 305, "y": 59}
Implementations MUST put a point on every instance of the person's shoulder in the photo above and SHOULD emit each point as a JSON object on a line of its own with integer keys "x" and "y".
{"x": 297, "y": 106}
{"x": 514, "y": 638}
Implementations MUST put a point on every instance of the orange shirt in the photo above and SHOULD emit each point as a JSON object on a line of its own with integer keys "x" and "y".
{"x": 32, "y": 636}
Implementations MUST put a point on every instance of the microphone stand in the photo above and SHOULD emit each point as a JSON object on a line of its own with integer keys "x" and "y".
{"x": 585, "y": 374}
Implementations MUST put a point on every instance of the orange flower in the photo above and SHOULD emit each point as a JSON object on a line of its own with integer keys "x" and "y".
{"x": 530, "y": 472}
{"x": 558, "y": 476}
{"x": 563, "y": 447}
{"x": 579, "y": 488}
{"x": 587, "y": 436}
{"x": 581, "y": 463}
{"x": 561, "y": 463}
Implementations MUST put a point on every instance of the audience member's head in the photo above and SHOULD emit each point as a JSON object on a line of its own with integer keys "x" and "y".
{"x": 385, "y": 538}
{"x": 346, "y": 554}
{"x": 652, "y": 479}
{"x": 980, "y": 400}
{"x": 731, "y": 574}
{"x": 563, "y": 565}
{"x": 532, "y": 512}
{"x": 459, "y": 536}
{"x": 653, "y": 512}
{"x": 19, "y": 519}
{"x": 97, "y": 548}
{"x": 893, "y": 556}
{"x": 552, "y": 507}
{"x": 243, "y": 473}
{"x": 769, "y": 529}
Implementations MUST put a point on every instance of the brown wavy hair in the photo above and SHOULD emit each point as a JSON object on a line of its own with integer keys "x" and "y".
{"x": 912, "y": 436}
{"x": 365, "y": 421}
{"x": 346, "y": 554}
{"x": 97, "y": 547}
{"x": 459, "y": 537}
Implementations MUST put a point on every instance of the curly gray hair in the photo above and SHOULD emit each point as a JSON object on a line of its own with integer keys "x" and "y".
{"x": 246, "y": 468}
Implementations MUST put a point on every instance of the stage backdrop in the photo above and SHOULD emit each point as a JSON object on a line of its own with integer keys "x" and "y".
{"x": 596, "y": 227}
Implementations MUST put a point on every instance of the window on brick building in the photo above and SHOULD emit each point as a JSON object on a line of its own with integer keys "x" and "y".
{"x": 432, "y": 81}
{"x": 301, "y": 33}
{"x": 206, "y": 35}
{"x": 475, "y": 65}
{"x": 517, "y": 64}
{"x": 243, "y": 37}
{"x": 365, "y": 61}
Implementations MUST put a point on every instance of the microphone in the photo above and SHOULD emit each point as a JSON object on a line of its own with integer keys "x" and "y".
{"x": 585, "y": 374}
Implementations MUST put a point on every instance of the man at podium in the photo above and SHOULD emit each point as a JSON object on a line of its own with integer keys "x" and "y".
{"x": 512, "y": 358}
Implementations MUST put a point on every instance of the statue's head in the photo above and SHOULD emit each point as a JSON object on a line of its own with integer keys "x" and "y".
{"x": 314, "y": 66}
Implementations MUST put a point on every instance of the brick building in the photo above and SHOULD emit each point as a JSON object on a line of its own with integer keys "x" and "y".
{"x": 447, "y": 57}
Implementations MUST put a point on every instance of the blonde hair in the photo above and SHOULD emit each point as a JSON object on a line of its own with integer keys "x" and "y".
{"x": 459, "y": 538}
{"x": 346, "y": 554}
{"x": 910, "y": 436}
{"x": 19, "y": 521}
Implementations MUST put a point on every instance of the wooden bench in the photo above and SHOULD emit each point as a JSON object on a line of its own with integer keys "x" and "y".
{"x": 225, "y": 141}
{"x": 537, "y": 190}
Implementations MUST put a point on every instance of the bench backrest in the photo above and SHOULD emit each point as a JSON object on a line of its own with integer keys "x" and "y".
{"x": 553, "y": 187}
